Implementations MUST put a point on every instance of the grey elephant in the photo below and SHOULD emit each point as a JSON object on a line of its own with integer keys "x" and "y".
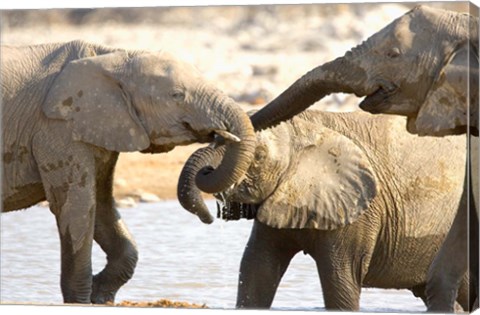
{"x": 450, "y": 107}
{"x": 68, "y": 109}
{"x": 368, "y": 201}
{"x": 419, "y": 66}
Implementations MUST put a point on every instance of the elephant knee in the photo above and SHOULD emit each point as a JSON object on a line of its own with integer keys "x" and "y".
{"x": 133, "y": 259}
{"x": 128, "y": 262}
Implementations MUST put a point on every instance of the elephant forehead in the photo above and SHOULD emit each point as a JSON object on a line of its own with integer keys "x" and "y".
{"x": 162, "y": 65}
{"x": 397, "y": 34}
{"x": 402, "y": 32}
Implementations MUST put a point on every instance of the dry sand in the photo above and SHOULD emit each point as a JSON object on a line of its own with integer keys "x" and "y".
{"x": 137, "y": 174}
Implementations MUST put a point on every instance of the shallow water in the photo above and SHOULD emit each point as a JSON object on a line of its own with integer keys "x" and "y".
{"x": 180, "y": 259}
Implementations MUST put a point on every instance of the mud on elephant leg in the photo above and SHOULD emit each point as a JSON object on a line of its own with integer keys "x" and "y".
{"x": 76, "y": 268}
{"x": 76, "y": 237}
{"x": 114, "y": 239}
{"x": 69, "y": 192}
{"x": 266, "y": 256}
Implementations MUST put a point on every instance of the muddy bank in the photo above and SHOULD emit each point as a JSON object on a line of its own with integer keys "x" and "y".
{"x": 163, "y": 303}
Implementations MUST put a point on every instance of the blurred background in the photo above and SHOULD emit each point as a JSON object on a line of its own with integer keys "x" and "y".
{"x": 252, "y": 52}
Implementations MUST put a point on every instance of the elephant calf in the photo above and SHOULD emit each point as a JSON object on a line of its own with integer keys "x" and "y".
{"x": 369, "y": 202}
{"x": 69, "y": 109}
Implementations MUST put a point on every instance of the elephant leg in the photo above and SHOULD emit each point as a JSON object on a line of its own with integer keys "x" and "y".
{"x": 115, "y": 240}
{"x": 341, "y": 280}
{"x": 419, "y": 292}
{"x": 445, "y": 274}
{"x": 466, "y": 293}
{"x": 474, "y": 217}
{"x": 473, "y": 256}
{"x": 76, "y": 267}
{"x": 70, "y": 192}
{"x": 265, "y": 260}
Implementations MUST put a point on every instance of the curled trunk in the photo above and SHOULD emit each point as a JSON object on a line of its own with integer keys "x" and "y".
{"x": 189, "y": 195}
{"x": 237, "y": 155}
{"x": 336, "y": 76}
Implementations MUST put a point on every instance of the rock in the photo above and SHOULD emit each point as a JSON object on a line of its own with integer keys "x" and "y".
{"x": 149, "y": 198}
{"x": 143, "y": 196}
{"x": 259, "y": 70}
{"x": 256, "y": 97}
{"x": 127, "y": 202}
{"x": 43, "y": 204}
{"x": 120, "y": 182}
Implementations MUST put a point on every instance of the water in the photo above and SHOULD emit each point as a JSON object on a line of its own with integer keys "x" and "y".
{"x": 181, "y": 259}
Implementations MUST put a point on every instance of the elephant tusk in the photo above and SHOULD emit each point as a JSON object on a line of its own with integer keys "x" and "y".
{"x": 228, "y": 136}
{"x": 222, "y": 136}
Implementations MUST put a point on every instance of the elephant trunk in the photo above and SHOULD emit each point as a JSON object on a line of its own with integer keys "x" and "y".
{"x": 188, "y": 193}
{"x": 239, "y": 150}
{"x": 336, "y": 76}
{"x": 339, "y": 75}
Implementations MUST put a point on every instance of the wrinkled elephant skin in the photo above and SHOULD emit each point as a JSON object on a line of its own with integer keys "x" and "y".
{"x": 424, "y": 65}
{"x": 370, "y": 203}
{"x": 69, "y": 109}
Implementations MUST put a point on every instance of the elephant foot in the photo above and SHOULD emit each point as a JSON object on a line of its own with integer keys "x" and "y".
{"x": 101, "y": 293}
{"x": 75, "y": 300}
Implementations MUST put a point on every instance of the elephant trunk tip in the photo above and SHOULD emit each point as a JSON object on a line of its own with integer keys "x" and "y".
{"x": 207, "y": 219}
{"x": 195, "y": 205}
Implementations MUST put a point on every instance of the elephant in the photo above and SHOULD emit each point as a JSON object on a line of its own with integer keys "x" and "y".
{"x": 368, "y": 201}
{"x": 420, "y": 66}
{"x": 69, "y": 109}
{"x": 450, "y": 107}
{"x": 400, "y": 69}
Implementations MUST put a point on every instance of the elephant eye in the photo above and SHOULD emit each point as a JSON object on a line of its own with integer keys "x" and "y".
{"x": 260, "y": 154}
{"x": 178, "y": 96}
{"x": 393, "y": 52}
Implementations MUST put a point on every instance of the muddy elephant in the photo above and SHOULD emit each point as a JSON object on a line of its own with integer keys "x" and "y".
{"x": 368, "y": 201}
{"x": 68, "y": 109}
{"x": 419, "y": 66}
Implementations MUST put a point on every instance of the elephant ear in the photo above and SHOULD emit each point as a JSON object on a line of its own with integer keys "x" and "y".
{"x": 445, "y": 107}
{"x": 329, "y": 185}
{"x": 89, "y": 92}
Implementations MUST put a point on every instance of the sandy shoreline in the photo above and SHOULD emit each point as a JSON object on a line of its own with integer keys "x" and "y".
{"x": 139, "y": 174}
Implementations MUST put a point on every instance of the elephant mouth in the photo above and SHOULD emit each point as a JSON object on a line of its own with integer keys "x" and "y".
{"x": 218, "y": 136}
{"x": 378, "y": 101}
{"x": 201, "y": 136}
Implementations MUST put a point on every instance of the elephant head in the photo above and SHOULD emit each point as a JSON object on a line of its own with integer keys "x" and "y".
{"x": 150, "y": 102}
{"x": 417, "y": 66}
{"x": 298, "y": 179}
